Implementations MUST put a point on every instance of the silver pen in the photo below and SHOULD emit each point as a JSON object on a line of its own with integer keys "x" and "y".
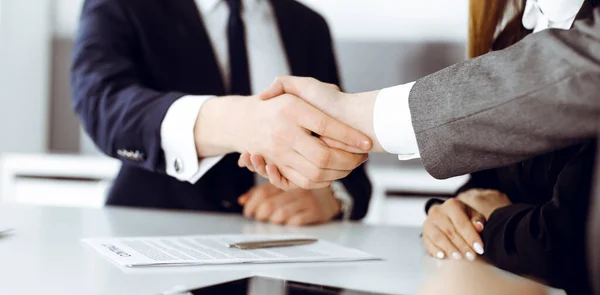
{"x": 271, "y": 244}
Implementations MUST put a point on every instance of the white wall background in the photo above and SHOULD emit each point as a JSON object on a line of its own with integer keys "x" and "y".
{"x": 439, "y": 20}
{"x": 25, "y": 28}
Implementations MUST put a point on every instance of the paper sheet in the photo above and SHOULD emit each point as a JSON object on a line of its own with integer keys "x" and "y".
{"x": 213, "y": 249}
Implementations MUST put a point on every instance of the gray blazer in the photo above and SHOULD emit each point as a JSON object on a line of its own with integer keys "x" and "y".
{"x": 539, "y": 95}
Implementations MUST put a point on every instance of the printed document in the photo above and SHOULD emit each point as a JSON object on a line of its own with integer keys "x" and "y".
{"x": 213, "y": 249}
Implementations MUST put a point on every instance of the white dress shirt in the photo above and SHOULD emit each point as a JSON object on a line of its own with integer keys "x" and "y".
{"x": 267, "y": 60}
{"x": 391, "y": 117}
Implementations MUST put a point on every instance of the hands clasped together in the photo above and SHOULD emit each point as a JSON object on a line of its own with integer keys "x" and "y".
{"x": 297, "y": 140}
{"x": 300, "y": 143}
{"x": 295, "y": 208}
{"x": 452, "y": 228}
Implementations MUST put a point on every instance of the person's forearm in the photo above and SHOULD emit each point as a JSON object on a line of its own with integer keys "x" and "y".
{"x": 356, "y": 110}
{"x": 215, "y": 126}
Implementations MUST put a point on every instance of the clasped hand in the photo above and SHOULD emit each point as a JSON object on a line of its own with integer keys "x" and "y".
{"x": 294, "y": 208}
{"x": 452, "y": 229}
{"x": 326, "y": 150}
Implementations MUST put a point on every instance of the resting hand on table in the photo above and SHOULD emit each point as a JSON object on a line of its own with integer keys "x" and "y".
{"x": 296, "y": 207}
{"x": 452, "y": 228}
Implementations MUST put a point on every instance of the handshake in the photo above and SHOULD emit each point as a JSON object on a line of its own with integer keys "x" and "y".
{"x": 297, "y": 133}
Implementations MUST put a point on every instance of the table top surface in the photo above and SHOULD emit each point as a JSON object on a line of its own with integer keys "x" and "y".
{"x": 45, "y": 254}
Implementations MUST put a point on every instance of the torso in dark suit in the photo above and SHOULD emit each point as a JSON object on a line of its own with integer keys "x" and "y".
{"x": 134, "y": 58}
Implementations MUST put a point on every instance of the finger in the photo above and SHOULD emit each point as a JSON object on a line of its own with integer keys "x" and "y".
{"x": 268, "y": 207}
{"x": 441, "y": 241}
{"x": 477, "y": 219}
{"x": 439, "y": 238}
{"x": 304, "y": 218}
{"x": 260, "y": 165}
{"x": 241, "y": 162}
{"x": 298, "y": 180}
{"x": 449, "y": 244}
{"x": 283, "y": 214}
{"x": 312, "y": 172}
{"x": 432, "y": 249}
{"x": 246, "y": 161}
{"x": 285, "y": 84}
{"x": 478, "y": 224}
{"x": 293, "y": 85}
{"x": 341, "y": 146}
{"x": 335, "y": 87}
{"x": 278, "y": 180}
{"x": 316, "y": 152}
{"x": 325, "y": 126}
{"x": 448, "y": 228}
{"x": 255, "y": 199}
{"x": 468, "y": 238}
{"x": 243, "y": 199}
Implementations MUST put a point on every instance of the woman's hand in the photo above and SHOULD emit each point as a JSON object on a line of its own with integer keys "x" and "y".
{"x": 296, "y": 207}
{"x": 484, "y": 201}
{"x": 452, "y": 230}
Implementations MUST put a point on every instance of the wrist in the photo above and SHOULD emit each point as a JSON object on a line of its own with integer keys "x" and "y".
{"x": 357, "y": 110}
{"x": 213, "y": 134}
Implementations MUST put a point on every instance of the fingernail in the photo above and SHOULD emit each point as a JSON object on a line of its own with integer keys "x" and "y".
{"x": 480, "y": 224}
{"x": 365, "y": 145}
{"x": 456, "y": 256}
{"x": 470, "y": 256}
{"x": 478, "y": 248}
{"x": 440, "y": 255}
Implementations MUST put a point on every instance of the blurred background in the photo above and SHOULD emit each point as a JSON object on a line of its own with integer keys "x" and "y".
{"x": 45, "y": 158}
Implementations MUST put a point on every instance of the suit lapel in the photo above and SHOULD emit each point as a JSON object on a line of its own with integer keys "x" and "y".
{"x": 294, "y": 38}
{"x": 191, "y": 26}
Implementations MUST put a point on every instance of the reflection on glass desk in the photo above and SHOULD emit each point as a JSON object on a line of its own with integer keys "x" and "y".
{"x": 269, "y": 286}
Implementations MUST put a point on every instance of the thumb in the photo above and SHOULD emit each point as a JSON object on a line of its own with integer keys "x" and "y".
{"x": 477, "y": 219}
{"x": 332, "y": 143}
{"x": 281, "y": 85}
{"x": 478, "y": 222}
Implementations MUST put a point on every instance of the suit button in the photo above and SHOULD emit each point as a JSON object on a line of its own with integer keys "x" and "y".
{"x": 178, "y": 165}
{"x": 226, "y": 204}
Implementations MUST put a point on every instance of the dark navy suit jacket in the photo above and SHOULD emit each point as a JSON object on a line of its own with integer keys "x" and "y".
{"x": 134, "y": 58}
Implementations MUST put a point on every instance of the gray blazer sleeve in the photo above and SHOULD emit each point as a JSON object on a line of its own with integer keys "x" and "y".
{"x": 536, "y": 96}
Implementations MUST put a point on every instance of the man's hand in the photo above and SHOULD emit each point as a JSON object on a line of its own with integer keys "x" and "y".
{"x": 296, "y": 208}
{"x": 281, "y": 130}
{"x": 452, "y": 230}
{"x": 356, "y": 110}
{"x": 484, "y": 201}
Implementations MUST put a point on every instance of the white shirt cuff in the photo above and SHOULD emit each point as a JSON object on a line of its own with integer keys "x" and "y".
{"x": 178, "y": 143}
{"x": 393, "y": 123}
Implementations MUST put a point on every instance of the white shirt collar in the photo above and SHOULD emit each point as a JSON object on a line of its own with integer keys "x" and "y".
{"x": 543, "y": 14}
{"x": 208, "y": 6}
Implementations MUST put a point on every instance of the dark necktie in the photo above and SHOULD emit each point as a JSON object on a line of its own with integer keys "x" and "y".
{"x": 238, "y": 54}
